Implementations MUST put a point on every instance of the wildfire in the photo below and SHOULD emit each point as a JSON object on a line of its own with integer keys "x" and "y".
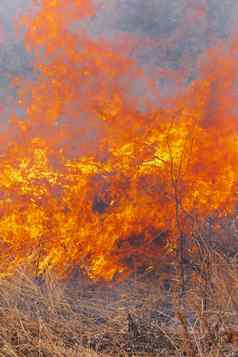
{"x": 86, "y": 178}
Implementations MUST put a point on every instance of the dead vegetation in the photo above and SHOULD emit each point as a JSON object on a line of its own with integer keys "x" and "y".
{"x": 140, "y": 317}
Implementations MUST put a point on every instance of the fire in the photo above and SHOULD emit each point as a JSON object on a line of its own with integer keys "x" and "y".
{"x": 86, "y": 178}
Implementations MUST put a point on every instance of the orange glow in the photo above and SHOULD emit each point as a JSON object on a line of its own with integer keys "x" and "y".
{"x": 86, "y": 178}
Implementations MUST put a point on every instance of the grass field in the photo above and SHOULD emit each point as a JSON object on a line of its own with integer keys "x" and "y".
{"x": 142, "y": 316}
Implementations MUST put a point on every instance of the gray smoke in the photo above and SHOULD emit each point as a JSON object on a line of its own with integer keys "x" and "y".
{"x": 159, "y": 20}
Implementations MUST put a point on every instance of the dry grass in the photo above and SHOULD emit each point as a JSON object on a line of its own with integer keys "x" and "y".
{"x": 139, "y": 317}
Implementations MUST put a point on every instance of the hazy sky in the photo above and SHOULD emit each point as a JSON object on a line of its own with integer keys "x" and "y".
{"x": 162, "y": 19}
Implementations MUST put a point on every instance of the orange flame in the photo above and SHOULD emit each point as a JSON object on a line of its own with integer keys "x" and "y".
{"x": 87, "y": 179}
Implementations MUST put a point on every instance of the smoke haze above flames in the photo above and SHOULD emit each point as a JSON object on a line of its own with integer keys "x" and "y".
{"x": 154, "y": 19}
{"x": 163, "y": 35}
